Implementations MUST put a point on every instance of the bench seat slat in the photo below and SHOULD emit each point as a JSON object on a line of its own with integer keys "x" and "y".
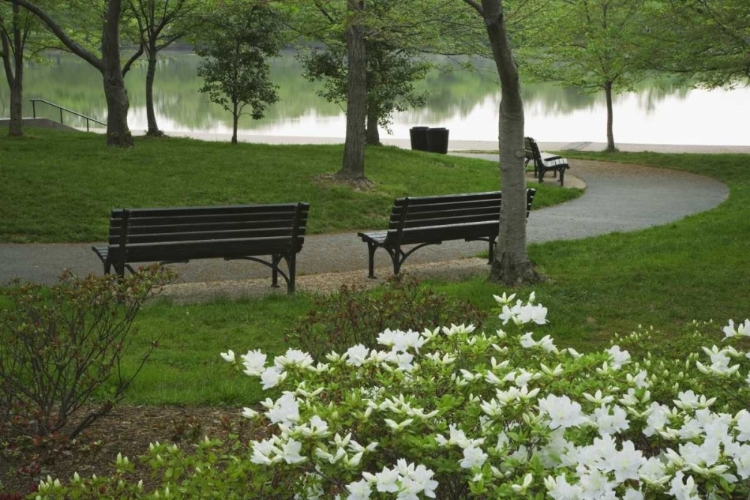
{"x": 203, "y": 249}
{"x": 207, "y": 210}
{"x": 454, "y": 205}
{"x": 446, "y": 221}
{"x": 450, "y": 232}
{"x": 449, "y": 198}
{"x": 202, "y": 235}
{"x": 208, "y": 227}
{"x": 204, "y": 219}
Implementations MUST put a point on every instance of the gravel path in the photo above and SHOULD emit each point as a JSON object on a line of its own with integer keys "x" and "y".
{"x": 618, "y": 198}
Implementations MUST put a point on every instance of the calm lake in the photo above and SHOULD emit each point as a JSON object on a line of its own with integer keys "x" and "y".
{"x": 466, "y": 102}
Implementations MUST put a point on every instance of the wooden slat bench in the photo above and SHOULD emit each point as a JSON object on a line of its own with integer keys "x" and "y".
{"x": 170, "y": 235}
{"x": 430, "y": 220}
{"x": 544, "y": 162}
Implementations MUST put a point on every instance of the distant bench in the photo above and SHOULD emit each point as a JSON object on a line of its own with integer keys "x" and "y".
{"x": 170, "y": 235}
{"x": 544, "y": 162}
{"x": 430, "y": 220}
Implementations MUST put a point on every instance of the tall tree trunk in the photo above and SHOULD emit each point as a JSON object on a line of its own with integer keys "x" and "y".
{"x": 511, "y": 264}
{"x": 13, "y": 64}
{"x": 373, "y": 136}
{"x": 235, "y": 121}
{"x": 15, "y": 127}
{"x": 610, "y": 117}
{"x": 153, "y": 127}
{"x": 353, "y": 166}
{"x": 118, "y": 133}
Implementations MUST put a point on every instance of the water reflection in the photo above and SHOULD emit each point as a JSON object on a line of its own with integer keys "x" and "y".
{"x": 464, "y": 101}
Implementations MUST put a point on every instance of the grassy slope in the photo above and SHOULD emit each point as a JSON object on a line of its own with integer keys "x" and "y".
{"x": 697, "y": 268}
{"x": 59, "y": 186}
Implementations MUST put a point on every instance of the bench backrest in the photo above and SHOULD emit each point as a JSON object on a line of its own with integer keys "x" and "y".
{"x": 528, "y": 149}
{"x": 156, "y": 234}
{"x": 533, "y": 149}
{"x": 448, "y": 217}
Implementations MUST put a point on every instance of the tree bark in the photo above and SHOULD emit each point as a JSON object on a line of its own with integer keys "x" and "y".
{"x": 610, "y": 117}
{"x": 13, "y": 64}
{"x": 15, "y": 127}
{"x": 353, "y": 166}
{"x": 118, "y": 133}
{"x": 510, "y": 264}
{"x": 373, "y": 136}
{"x": 235, "y": 122}
{"x": 153, "y": 127}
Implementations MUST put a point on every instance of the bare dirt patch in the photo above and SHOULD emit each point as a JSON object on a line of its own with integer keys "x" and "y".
{"x": 128, "y": 430}
{"x": 328, "y": 180}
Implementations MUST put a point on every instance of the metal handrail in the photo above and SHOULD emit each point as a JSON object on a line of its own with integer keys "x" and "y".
{"x": 87, "y": 118}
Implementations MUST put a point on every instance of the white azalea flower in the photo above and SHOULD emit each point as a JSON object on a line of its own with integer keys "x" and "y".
{"x": 610, "y": 420}
{"x": 254, "y": 362}
{"x": 284, "y": 410}
{"x": 359, "y": 491}
{"x": 249, "y": 413}
{"x": 619, "y": 358}
{"x": 293, "y": 357}
{"x": 473, "y": 457}
{"x": 562, "y": 411}
{"x": 290, "y": 452}
{"x": 228, "y": 356}
{"x": 743, "y": 425}
{"x": 504, "y": 299}
{"x": 356, "y": 355}
{"x": 271, "y": 377}
{"x": 559, "y": 488}
{"x": 683, "y": 491}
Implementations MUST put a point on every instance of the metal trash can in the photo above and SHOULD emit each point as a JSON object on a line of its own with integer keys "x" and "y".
{"x": 418, "y": 137}
{"x": 437, "y": 140}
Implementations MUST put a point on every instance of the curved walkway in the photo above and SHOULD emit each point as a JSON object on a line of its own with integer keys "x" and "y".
{"x": 618, "y": 198}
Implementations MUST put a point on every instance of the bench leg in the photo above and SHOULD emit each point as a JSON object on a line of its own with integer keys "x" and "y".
{"x": 119, "y": 271}
{"x": 492, "y": 251}
{"x": 397, "y": 258}
{"x": 541, "y": 175}
{"x": 291, "y": 263}
{"x": 371, "y": 247}
{"x": 107, "y": 267}
{"x": 275, "y": 261}
{"x": 562, "y": 176}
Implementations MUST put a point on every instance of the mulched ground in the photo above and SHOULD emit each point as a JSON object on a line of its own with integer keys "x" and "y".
{"x": 127, "y": 430}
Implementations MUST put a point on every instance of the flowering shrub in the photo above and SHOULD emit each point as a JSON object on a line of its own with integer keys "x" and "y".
{"x": 453, "y": 413}
{"x": 357, "y": 316}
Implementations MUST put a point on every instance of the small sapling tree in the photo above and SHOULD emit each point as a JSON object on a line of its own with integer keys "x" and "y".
{"x": 236, "y": 41}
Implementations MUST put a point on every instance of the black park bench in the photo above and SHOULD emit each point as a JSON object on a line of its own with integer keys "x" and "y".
{"x": 430, "y": 220}
{"x": 171, "y": 235}
{"x": 544, "y": 162}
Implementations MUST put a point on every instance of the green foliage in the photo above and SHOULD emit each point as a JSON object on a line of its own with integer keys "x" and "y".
{"x": 592, "y": 45}
{"x": 63, "y": 345}
{"x": 235, "y": 40}
{"x": 355, "y": 316}
{"x": 392, "y": 68}
{"x": 705, "y": 39}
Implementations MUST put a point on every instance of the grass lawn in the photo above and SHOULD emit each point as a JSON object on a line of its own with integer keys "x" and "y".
{"x": 698, "y": 268}
{"x": 60, "y": 186}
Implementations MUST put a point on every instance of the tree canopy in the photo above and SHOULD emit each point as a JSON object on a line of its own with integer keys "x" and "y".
{"x": 235, "y": 41}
